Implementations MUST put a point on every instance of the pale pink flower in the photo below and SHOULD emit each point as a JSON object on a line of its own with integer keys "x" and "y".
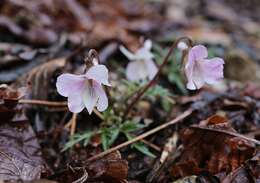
{"x": 142, "y": 65}
{"x": 200, "y": 70}
{"x": 85, "y": 90}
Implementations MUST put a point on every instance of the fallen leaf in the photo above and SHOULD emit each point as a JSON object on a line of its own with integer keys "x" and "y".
{"x": 110, "y": 169}
{"x": 20, "y": 154}
{"x": 210, "y": 151}
{"x": 247, "y": 173}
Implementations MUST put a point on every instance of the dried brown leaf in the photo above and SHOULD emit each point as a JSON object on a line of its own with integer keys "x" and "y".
{"x": 210, "y": 151}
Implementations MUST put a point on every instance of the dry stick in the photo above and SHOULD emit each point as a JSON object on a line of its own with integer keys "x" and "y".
{"x": 155, "y": 147}
{"x": 43, "y": 102}
{"x": 142, "y": 136}
{"x": 51, "y": 103}
{"x": 228, "y": 133}
{"x": 140, "y": 94}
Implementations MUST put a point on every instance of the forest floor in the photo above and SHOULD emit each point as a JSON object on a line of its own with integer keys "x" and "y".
{"x": 170, "y": 134}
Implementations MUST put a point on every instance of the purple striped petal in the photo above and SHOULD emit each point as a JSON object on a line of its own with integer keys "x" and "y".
{"x": 90, "y": 98}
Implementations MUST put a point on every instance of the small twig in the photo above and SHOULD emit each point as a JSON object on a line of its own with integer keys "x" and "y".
{"x": 151, "y": 82}
{"x": 228, "y": 133}
{"x": 43, "y": 102}
{"x": 142, "y": 136}
{"x": 155, "y": 147}
{"x": 68, "y": 125}
{"x": 51, "y": 104}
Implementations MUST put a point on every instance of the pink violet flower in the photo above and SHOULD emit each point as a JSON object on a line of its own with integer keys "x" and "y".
{"x": 85, "y": 90}
{"x": 142, "y": 65}
{"x": 200, "y": 70}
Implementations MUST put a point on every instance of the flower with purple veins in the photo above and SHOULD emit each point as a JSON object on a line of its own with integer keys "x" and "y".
{"x": 85, "y": 90}
{"x": 200, "y": 70}
{"x": 142, "y": 65}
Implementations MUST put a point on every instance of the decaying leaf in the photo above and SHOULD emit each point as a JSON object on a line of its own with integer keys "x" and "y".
{"x": 9, "y": 111}
{"x": 20, "y": 154}
{"x": 110, "y": 169}
{"x": 33, "y": 181}
{"x": 43, "y": 77}
{"x": 210, "y": 151}
{"x": 248, "y": 173}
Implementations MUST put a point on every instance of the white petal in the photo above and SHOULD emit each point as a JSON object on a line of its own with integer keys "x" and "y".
{"x": 148, "y": 44}
{"x": 151, "y": 68}
{"x": 190, "y": 85}
{"x": 89, "y": 98}
{"x": 194, "y": 74}
{"x": 75, "y": 102}
{"x": 69, "y": 83}
{"x": 189, "y": 71}
{"x": 102, "y": 102}
{"x": 144, "y": 54}
{"x": 127, "y": 53}
{"x": 98, "y": 73}
{"x": 136, "y": 71}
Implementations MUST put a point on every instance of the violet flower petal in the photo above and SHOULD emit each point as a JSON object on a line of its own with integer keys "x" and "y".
{"x": 212, "y": 69}
{"x": 75, "y": 102}
{"x": 69, "y": 83}
{"x": 199, "y": 52}
{"x": 98, "y": 73}
{"x": 200, "y": 70}
{"x": 90, "y": 97}
{"x": 102, "y": 102}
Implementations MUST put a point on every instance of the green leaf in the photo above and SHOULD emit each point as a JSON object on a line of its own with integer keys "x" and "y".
{"x": 175, "y": 78}
{"x": 78, "y": 138}
{"x": 158, "y": 91}
{"x": 166, "y": 105}
{"x": 131, "y": 126}
{"x": 140, "y": 146}
{"x": 143, "y": 149}
{"x": 108, "y": 136}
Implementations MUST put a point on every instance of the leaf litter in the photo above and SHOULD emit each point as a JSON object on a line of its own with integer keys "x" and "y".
{"x": 205, "y": 147}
